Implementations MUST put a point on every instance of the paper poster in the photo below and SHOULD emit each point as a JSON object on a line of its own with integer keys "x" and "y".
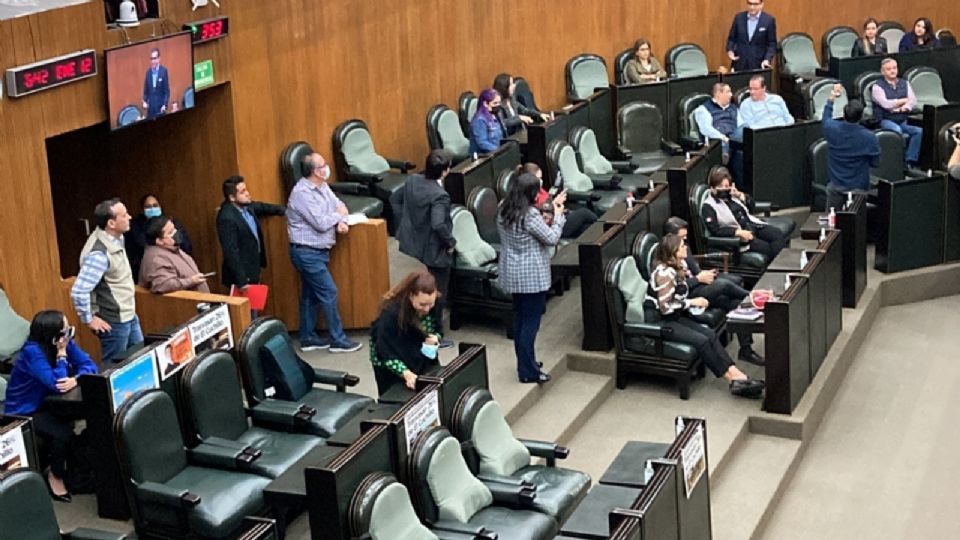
{"x": 13, "y": 452}
{"x": 422, "y": 416}
{"x": 139, "y": 374}
{"x": 694, "y": 460}
{"x": 175, "y": 353}
{"x": 212, "y": 331}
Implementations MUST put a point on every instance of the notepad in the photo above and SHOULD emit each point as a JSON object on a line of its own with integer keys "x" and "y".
{"x": 355, "y": 219}
{"x": 745, "y": 314}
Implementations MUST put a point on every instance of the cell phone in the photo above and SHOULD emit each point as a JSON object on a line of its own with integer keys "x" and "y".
{"x": 209, "y": 274}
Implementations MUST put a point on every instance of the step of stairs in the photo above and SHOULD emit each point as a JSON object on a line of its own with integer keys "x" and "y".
{"x": 562, "y": 407}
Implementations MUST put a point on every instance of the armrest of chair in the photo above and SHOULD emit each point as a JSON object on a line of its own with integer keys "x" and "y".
{"x": 340, "y": 379}
{"x": 222, "y": 457}
{"x": 160, "y": 494}
{"x": 93, "y": 534}
{"x": 728, "y": 243}
{"x": 719, "y": 259}
{"x": 348, "y": 188}
{"x": 511, "y": 495}
{"x": 611, "y": 183}
{"x": 462, "y": 528}
{"x": 671, "y": 147}
{"x": 502, "y": 479}
{"x": 362, "y": 178}
{"x": 583, "y": 197}
{"x": 647, "y": 330}
{"x": 234, "y": 445}
{"x": 624, "y": 152}
{"x": 490, "y": 271}
{"x": 624, "y": 167}
{"x": 401, "y": 165}
{"x": 285, "y": 415}
{"x": 546, "y": 450}
{"x": 690, "y": 144}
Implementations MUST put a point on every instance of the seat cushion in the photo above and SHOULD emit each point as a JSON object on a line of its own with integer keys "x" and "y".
{"x": 391, "y": 183}
{"x": 334, "y": 409}
{"x": 634, "y": 290}
{"x": 393, "y": 516}
{"x": 783, "y": 224}
{"x": 279, "y": 451}
{"x": 671, "y": 349}
{"x": 458, "y": 494}
{"x": 756, "y": 260}
{"x": 558, "y": 490}
{"x": 631, "y": 182}
{"x": 515, "y": 524}
{"x": 608, "y": 199}
{"x": 500, "y": 453}
{"x": 283, "y": 370}
{"x": 711, "y": 317}
{"x": 225, "y": 498}
{"x": 357, "y": 204}
{"x": 648, "y": 162}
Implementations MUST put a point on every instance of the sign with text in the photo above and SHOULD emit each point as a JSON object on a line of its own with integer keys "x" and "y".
{"x": 694, "y": 459}
{"x": 203, "y": 74}
{"x": 422, "y": 416}
{"x": 13, "y": 452}
{"x": 175, "y": 353}
{"x": 212, "y": 331}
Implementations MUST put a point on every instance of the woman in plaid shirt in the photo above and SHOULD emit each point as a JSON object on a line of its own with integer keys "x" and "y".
{"x": 526, "y": 246}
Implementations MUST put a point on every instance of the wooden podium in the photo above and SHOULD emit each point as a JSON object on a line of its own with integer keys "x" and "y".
{"x": 361, "y": 269}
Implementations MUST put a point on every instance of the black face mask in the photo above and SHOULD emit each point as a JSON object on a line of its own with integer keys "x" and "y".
{"x": 723, "y": 194}
{"x": 496, "y": 110}
{"x": 178, "y": 238}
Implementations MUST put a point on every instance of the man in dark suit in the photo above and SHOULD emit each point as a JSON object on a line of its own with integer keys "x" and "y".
{"x": 241, "y": 238}
{"x": 156, "y": 87}
{"x": 425, "y": 230}
{"x": 753, "y": 38}
{"x": 721, "y": 290}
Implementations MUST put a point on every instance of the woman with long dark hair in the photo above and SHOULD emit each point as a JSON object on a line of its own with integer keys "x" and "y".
{"x": 486, "y": 131}
{"x": 578, "y": 219}
{"x": 404, "y": 339}
{"x": 49, "y": 363}
{"x": 921, "y": 37}
{"x": 525, "y": 250}
{"x": 870, "y": 43}
{"x": 667, "y": 303}
{"x": 513, "y": 114}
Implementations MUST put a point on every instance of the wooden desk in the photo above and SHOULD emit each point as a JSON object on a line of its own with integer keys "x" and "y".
{"x": 361, "y": 269}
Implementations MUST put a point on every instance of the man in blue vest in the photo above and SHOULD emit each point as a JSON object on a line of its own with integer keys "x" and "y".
{"x": 894, "y": 101}
{"x": 717, "y": 118}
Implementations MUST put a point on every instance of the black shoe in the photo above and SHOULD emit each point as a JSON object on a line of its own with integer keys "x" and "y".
{"x": 65, "y": 498}
{"x": 539, "y": 364}
{"x": 540, "y": 379}
{"x": 751, "y": 357}
{"x": 345, "y": 347}
{"x": 748, "y": 388}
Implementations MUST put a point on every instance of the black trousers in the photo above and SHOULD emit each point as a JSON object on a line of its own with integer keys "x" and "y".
{"x": 769, "y": 241}
{"x": 442, "y": 275}
{"x": 56, "y": 433}
{"x": 578, "y": 220}
{"x": 726, "y": 295}
{"x": 686, "y": 330}
{"x": 527, "y": 312}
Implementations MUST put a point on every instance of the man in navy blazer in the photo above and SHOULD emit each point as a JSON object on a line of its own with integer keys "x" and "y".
{"x": 752, "y": 42}
{"x": 156, "y": 87}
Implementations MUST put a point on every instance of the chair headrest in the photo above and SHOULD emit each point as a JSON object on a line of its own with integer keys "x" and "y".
{"x": 251, "y": 342}
{"x": 291, "y": 162}
{"x": 148, "y": 437}
{"x": 210, "y": 389}
{"x": 465, "y": 410}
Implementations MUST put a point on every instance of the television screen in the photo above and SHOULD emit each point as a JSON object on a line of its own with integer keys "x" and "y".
{"x": 149, "y": 79}
{"x": 140, "y": 374}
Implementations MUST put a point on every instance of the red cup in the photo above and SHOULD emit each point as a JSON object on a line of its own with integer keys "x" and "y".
{"x": 760, "y": 298}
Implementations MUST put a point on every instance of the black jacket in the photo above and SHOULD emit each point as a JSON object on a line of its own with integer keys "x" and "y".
{"x": 243, "y": 254}
{"x": 426, "y": 230}
{"x": 510, "y": 117}
{"x": 879, "y": 47}
{"x": 752, "y": 52}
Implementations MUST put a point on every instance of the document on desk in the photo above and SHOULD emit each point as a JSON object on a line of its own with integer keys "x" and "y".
{"x": 356, "y": 219}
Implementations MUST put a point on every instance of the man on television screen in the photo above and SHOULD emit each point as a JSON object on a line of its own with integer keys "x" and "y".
{"x": 156, "y": 87}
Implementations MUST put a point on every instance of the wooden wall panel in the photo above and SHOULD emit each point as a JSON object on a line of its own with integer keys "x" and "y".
{"x": 296, "y": 68}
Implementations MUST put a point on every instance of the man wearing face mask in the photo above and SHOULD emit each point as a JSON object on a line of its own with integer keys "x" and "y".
{"x": 166, "y": 267}
{"x": 315, "y": 216}
{"x": 135, "y": 239}
{"x": 725, "y": 213}
{"x": 238, "y": 228}
{"x": 426, "y": 230}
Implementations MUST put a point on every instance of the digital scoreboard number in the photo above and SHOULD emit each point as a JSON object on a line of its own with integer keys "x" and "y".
{"x": 23, "y": 80}
{"x": 208, "y": 29}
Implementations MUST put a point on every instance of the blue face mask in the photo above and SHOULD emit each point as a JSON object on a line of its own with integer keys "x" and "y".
{"x": 152, "y": 212}
{"x": 430, "y": 351}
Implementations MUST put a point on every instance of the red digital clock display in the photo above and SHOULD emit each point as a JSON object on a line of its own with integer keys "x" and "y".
{"x": 53, "y": 72}
{"x": 208, "y": 29}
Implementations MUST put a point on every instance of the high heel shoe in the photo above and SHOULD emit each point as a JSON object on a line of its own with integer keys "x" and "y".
{"x": 65, "y": 498}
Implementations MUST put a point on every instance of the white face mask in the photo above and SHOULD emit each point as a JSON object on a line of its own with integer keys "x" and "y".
{"x": 325, "y": 172}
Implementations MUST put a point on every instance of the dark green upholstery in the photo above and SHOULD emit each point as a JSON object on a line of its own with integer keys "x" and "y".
{"x": 596, "y": 166}
{"x": 945, "y": 140}
{"x": 334, "y": 408}
{"x": 351, "y": 193}
{"x": 584, "y": 73}
{"x": 504, "y": 180}
{"x": 837, "y": 42}
{"x": 466, "y": 108}
{"x": 444, "y": 131}
{"x": 731, "y": 245}
{"x": 689, "y": 132}
{"x": 154, "y": 460}
{"x": 639, "y": 126}
{"x": 473, "y": 284}
{"x": 581, "y": 188}
{"x": 817, "y": 156}
{"x": 798, "y": 56}
{"x": 817, "y": 92}
{"x": 26, "y": 511}
{"x": 210, "y": 388}
{"x": 559, "y": 491}
{"x": 482, "y": 203}
{"x": 506, "y": 522}
{"x": 620, "y": 65}
{"x": 686, "y": 60}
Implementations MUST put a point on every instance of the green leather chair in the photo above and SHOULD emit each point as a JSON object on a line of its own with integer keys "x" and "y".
{"x": 357, "y": 160}
{"x": 837, "y": 42}
{"x": 473, "y": 278}
{"x": 584, "y": 74}
{"x": 175, "y": 492}
{"x": 444, "y": 131}
{"x": 26, "y": 511}
{"x": 686, "y": 60}
{"x": 927, "y": 86}
{"x": 798, "y": 57}
{"x": 355, "y": 196}
{"x": 213, "y": 409}
{"x": 593, "y": 191}
{"x": 381, "y": 510}
{"x": 690, "y": 136}
{"x": 815, "y": 95}
{"x": 493, "y": 452}
{"x": 291, "y": 402}
{"x": 466, "y": 108}
{"x": 448, "y": 496}
{"x": 639, "y": 130}
{"x": 641, "y": 346}
{"x": 748, "y": 264}
{"x": 482, "y": 203}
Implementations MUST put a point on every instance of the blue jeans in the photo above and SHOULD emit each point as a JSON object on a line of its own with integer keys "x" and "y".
{"x": 527, "y": 311}
{"x": 121, "y": 337}
{"x": 316, "y": 287}
{"x": 914, "y": 137}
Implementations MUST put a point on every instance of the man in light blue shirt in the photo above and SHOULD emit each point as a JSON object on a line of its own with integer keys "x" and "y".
{"x": 763, "y": 109}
